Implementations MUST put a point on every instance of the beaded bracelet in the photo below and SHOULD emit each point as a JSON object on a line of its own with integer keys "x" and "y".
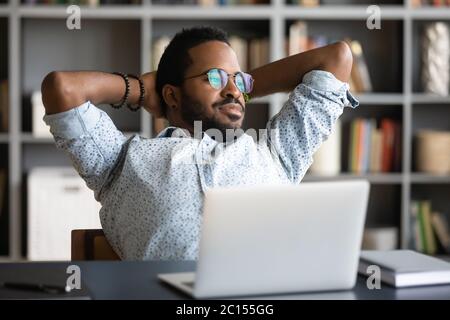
{"x": 127, "y": 91}
{"x": 141, "y": 93}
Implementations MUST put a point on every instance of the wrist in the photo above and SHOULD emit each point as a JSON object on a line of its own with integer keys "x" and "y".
{"x": 134, "y": 91}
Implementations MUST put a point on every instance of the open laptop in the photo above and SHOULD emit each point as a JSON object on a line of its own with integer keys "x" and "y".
{"x": 278, "y": 239}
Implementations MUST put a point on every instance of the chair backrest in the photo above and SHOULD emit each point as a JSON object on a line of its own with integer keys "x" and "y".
{"x": 91, "y": 244}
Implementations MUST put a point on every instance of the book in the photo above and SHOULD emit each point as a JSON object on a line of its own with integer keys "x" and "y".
{"x": 387, "y": 126}
{"x": 360, "y": 73}
{"x": 239, "y": 46}
{"x": 440, "y": 227}
{"x": 298, "y": 37}
{"x": 427, "y": 227}
{"x": 375, "y": 152}
{"x": 416, "y": 238}
{"x": 406, "y": 268}
{"x": 159, "y": 46}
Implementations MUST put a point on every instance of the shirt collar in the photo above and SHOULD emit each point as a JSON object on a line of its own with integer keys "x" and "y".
{"x": 173, "y": 132}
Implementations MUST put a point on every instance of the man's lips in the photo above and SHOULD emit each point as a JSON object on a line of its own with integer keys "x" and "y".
{"x": 233, "y": 110}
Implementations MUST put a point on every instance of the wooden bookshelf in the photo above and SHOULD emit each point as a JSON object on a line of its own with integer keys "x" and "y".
{"x": 38, "y": 43}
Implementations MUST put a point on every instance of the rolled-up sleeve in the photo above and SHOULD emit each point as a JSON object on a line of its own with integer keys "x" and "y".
{"x": 92, "y": 141}
{"x": 307, "y": 119}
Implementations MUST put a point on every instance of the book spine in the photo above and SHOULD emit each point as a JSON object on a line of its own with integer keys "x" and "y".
{"x": 430, "y": 240}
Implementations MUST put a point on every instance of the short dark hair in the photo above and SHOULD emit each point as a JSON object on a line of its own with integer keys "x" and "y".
{"x": 175, "y": 59}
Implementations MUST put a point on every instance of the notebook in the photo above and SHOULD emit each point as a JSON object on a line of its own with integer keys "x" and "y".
{"x": 406, "y": 268}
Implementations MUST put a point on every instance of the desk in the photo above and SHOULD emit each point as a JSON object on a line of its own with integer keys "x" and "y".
{"x": 137, "y": 280}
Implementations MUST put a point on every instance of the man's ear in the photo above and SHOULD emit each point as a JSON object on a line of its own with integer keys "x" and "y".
{"x": 172, "y": 96}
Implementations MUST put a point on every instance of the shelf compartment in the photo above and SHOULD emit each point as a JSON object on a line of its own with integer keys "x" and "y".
{"x": 384, "y": 207}
{"x": 377, "y": 112}
{"x": 384, "y": 63}
{"x": 417, "y": 33}
{"x": 427, "y": 116}
{"x": 118, "y": 50}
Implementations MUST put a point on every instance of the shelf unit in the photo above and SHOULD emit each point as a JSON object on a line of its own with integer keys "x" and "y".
{"x": 37, "y": 32}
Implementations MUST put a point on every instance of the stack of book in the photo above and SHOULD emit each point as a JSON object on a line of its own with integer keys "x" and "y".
{"x": 251, "y": 53}
{"x": 374, "y": 148}
{"x": 434, "y": 3}
{"x": 82, "y": 2}
{"x": 209, "y": 3}
{"x": 299, "y": 41}
{"x": 4, "y": 106}
{"x": 429, "y": 228}
{"x": 306, "y": 3}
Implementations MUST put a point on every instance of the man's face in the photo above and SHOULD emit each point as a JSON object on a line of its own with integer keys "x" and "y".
{"x": 217, "y": 108}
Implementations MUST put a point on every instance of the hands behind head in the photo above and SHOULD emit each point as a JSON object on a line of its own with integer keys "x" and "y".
{"x": 152, "y": 102}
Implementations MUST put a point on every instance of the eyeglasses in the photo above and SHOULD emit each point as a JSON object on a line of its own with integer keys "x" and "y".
{"x": 218, "y": 79}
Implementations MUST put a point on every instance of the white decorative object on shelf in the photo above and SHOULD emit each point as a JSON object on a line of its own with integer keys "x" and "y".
{"x": 433, "y": 151}
{"x": 381, "y": 238}
{"x": 327, "y": 159}
{"x": 58, "y": 202}
{"x": 38, "y": 126}
{"x": 435, "y": 58}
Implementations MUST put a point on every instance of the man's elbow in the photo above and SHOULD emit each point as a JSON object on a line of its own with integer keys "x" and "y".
{"x": 341, "y": 61}
{"x": 54, "y": 90}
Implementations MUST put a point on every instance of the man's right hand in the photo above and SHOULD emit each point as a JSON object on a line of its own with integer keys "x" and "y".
{"x": 151, "y": 100}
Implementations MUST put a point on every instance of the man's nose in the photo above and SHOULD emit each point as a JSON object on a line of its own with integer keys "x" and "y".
{"x": 230, "y": 90}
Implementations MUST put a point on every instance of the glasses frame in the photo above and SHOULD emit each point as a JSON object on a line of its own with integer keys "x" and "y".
{"x": 243, "y": 74}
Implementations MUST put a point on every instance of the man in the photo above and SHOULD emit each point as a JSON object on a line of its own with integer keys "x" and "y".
{"x": 151, "y": 201}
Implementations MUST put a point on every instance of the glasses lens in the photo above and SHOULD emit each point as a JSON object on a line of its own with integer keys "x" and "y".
{"x": 239, "y": 81}
{"x": 248, "y": 81}
{"x": 215, "y": 78}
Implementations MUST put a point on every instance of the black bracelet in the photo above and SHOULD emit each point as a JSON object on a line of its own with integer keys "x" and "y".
{"x": 141, "y": 93}
{"x": 127, "y": 91}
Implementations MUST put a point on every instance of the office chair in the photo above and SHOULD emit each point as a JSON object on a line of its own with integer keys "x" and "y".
{"x": 91, "y": 244}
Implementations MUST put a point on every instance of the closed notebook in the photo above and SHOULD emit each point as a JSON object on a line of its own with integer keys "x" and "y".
{"x": 406, "y": 268}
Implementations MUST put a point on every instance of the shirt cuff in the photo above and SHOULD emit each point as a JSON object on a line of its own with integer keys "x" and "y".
{"x": 75, "y": 122}
{"x": 326, "y": 81}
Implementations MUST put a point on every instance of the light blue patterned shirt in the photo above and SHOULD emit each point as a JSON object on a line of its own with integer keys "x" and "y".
{"x": 151, "y": 190}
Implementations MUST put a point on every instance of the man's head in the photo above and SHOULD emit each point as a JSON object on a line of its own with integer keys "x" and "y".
{"x": 184, "y": 88}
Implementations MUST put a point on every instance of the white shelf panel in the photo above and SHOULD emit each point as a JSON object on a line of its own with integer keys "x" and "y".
{"x": 429, "y": 98}
{"x": 384, "y": 178}
{"x": 157, "y": 12}
{"x": 225, "y": 12}
{"x": 392, "y": 12}
{"x": 430, "y": 13}
{"x": 117, "y": 12}
{"x": 265, "y": 99}
{"x": 380, "y": 98}
{"x": 429, "y": 178}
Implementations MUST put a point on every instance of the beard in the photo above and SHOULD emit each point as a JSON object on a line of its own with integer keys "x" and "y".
{"x": 193, "y": 110}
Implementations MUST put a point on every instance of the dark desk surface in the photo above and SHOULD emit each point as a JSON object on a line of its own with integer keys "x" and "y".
{"x": 137, "y": 280}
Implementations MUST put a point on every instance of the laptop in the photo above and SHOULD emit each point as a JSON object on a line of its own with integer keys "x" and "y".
{"x": 278, "y": 239}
